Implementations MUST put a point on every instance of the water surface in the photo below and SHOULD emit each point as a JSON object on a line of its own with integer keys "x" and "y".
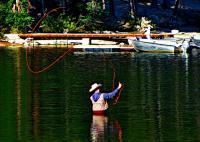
{"x": 160, "y": 101}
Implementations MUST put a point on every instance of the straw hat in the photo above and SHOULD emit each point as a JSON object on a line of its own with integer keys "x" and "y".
{"x": 94, "y": 86}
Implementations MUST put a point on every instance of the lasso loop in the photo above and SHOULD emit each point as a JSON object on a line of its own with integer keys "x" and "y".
{"x": 63, "y": 55}
{"x": 58, "y": 59}
{"x": 48, "y": 66}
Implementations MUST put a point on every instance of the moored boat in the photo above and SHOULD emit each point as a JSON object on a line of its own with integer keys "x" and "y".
{"x": 196, "y": 40}
{"x": 157, "y": 45}
{"x": 194, "y": 45}
{"x": 169, "y": 45}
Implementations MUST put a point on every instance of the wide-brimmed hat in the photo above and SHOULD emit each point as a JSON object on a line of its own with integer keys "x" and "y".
{"x": 94, "y": 86}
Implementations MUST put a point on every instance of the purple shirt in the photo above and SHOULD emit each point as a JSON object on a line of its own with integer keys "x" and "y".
{"x": 106, "y": 96}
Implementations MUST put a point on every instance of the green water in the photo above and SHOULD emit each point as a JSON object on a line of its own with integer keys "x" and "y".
{"x": 160, "y": 101}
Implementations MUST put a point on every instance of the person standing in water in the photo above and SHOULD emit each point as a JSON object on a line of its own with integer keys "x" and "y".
{"x": 99, "y": 100}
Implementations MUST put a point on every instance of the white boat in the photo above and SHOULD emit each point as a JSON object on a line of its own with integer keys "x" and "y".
{"x": 196, "y": 40}
{"x": 155, "y": 45}
{"x": 194, "y": 45}
{"x": 169, "y": 45}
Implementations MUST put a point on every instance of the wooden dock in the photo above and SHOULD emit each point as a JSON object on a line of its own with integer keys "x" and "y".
{"x": 90, "y": 35}
{"x": 79, "y": 40}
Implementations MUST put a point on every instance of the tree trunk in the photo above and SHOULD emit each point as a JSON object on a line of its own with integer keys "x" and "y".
{"x": 103, "y": 5}
{"x": 132, "y": 4}
{"x": 177, "y": 4}
{"x": 16, "y": 6}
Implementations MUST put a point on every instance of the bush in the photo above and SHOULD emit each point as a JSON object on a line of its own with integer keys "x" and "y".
{"x": 14, "y": 22}
{"x": 92, "y": 20}
{"x": 17, "y": 22}
{"x": 59, "y": 24}
{"x": 69, "y": 25}
{"x": 2, "y": 18}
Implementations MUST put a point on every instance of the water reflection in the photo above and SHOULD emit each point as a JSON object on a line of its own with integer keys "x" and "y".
{"x": 159, "y": 103}
{"x": 103, "y": 130}
{"x": 35, "y": 110}
{"x": 18, "y": 93}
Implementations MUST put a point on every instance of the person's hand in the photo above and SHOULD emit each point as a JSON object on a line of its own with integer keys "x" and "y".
{"x": 120, "y": 85}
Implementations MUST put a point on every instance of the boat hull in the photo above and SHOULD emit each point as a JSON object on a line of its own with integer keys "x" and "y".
{"x": 197, "y": 42}
{"x": 155, "y": 47}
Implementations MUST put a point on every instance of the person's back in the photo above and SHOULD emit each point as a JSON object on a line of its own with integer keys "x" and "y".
{"x": 100, "y": 104}
{"x": 99, "y": 100}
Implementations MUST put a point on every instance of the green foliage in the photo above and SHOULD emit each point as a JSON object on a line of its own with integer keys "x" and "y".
{"x": 78, "y": 17}
{"x": 60, "y": 23}
{"x": 17, "y": 22}
{"x": 135, "y": 23}
{"x": 89, "y": 20}
{"x": 2, "y": 18}
{"x": 83, "y": 17}
{"x": 14, "y": 22}
{"x": 69, "y": 25}
{"x": 92, "y": 20}
{"x": 50, "y": 24}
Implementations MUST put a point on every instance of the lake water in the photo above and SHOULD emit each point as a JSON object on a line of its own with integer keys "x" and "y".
{"x": 160, "y": 100}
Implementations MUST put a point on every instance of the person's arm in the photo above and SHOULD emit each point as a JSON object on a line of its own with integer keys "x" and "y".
{"x": 112, "y": 94}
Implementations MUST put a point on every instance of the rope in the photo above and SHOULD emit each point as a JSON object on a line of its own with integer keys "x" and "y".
{"x": 54, "y": 62}
{"x": 44, "y": 16}
{"x": 118, "y": 96}
{"x": 113, "y": 82}
{"x": 48, "y": 66}
{"x": 113, "y": 85}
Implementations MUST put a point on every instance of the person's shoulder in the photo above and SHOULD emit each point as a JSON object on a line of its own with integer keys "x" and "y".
{"x": 101, "y": 94}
